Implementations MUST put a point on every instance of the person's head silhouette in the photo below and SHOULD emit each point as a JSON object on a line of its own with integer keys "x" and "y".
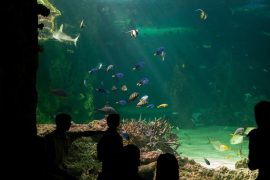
{"x": 167, "y": 167}
{"x": 63, "y": 122}
{"x": 262, "y": 114}
{"x": 131, "y": 155}
{"x": 113, "y": 120}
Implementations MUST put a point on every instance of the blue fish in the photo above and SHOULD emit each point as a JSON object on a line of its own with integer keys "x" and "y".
{"x": 122, "y": 102}
{"x": 143, "y": 82}
{"x": 118, "y": 75}
{"x": 160, "y": 52}
{"x": 125, "y": 135}
{"x": 101, "y": 90}
{"x": 93, "y": 71}
{"x": 150, "y": 106}
{"x": 138, "y": 66}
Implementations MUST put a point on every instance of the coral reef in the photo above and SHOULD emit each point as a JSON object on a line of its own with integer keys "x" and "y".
{"x": 242, "y": 163}
{"x": 83, "y": 163}
{"x": 190, "y": 170}
{"x": 150, "y": 156}
{"x": 152, "y": 135}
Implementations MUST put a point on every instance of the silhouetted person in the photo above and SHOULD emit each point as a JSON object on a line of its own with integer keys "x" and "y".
{"x": 57, "y": 144}
{"x": 130, "y": 162}
{"x": 259, "y": 157}
{"x": 109, "y": 149}
{"x": 167, "y": 167}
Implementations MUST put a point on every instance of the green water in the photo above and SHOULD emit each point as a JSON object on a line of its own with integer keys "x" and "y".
{"x": 214, "y": 71}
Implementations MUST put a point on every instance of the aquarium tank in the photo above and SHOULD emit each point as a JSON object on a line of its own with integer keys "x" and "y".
{"x": 194, "y": 69}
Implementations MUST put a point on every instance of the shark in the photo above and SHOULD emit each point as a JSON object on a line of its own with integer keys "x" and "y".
{"x": 61, "y": 36}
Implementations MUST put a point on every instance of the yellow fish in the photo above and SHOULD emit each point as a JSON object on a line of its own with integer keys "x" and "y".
{"x": 218, "y": 146}
{"x": 223, "y": 147}
{"x": 229, "y": 157}
{"x": 162, "y": 105}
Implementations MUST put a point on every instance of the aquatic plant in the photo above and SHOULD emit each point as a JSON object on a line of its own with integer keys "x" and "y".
{"x": 61, "y": 72}
{"x": 83, "y": 161}
{"x": 89, "y": 105}
{"x": 152, "y": 135}
{"x": 42, "y": 116}
{"x": 47, "y": 104}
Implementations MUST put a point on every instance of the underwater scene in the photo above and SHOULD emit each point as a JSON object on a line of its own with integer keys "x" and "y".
{"x": 184, "y": 75}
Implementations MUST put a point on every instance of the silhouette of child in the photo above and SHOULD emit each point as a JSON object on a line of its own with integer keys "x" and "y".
{"x": 167, "y": 167}
{"x": 57, "y": 144}
{"x": 130, "y": 162}
{"x": 258, "y": 152}
{"x": 109, "y": 149}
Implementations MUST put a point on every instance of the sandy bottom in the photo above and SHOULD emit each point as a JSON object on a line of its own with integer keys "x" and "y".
{"x": 195, "y": 145}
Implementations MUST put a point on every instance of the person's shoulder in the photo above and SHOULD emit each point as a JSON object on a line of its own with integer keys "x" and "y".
{"x": 253, "y": 133}
{"x": 49, "y": 135}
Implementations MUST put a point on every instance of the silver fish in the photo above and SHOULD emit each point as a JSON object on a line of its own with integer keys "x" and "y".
{"x": 109, "y": 68}
{"x": 239, "y": 131}
{"x": 107, "y": 110}
{"x": 82, "y": 24}
{"x": 133, "y": 33}
{"x": 236, "y": 139}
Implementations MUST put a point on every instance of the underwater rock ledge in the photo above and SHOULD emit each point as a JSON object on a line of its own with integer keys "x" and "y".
{"x": 83, "y": 163}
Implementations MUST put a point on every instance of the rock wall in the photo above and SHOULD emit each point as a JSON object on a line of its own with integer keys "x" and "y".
{"x": 18, "y": 96}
